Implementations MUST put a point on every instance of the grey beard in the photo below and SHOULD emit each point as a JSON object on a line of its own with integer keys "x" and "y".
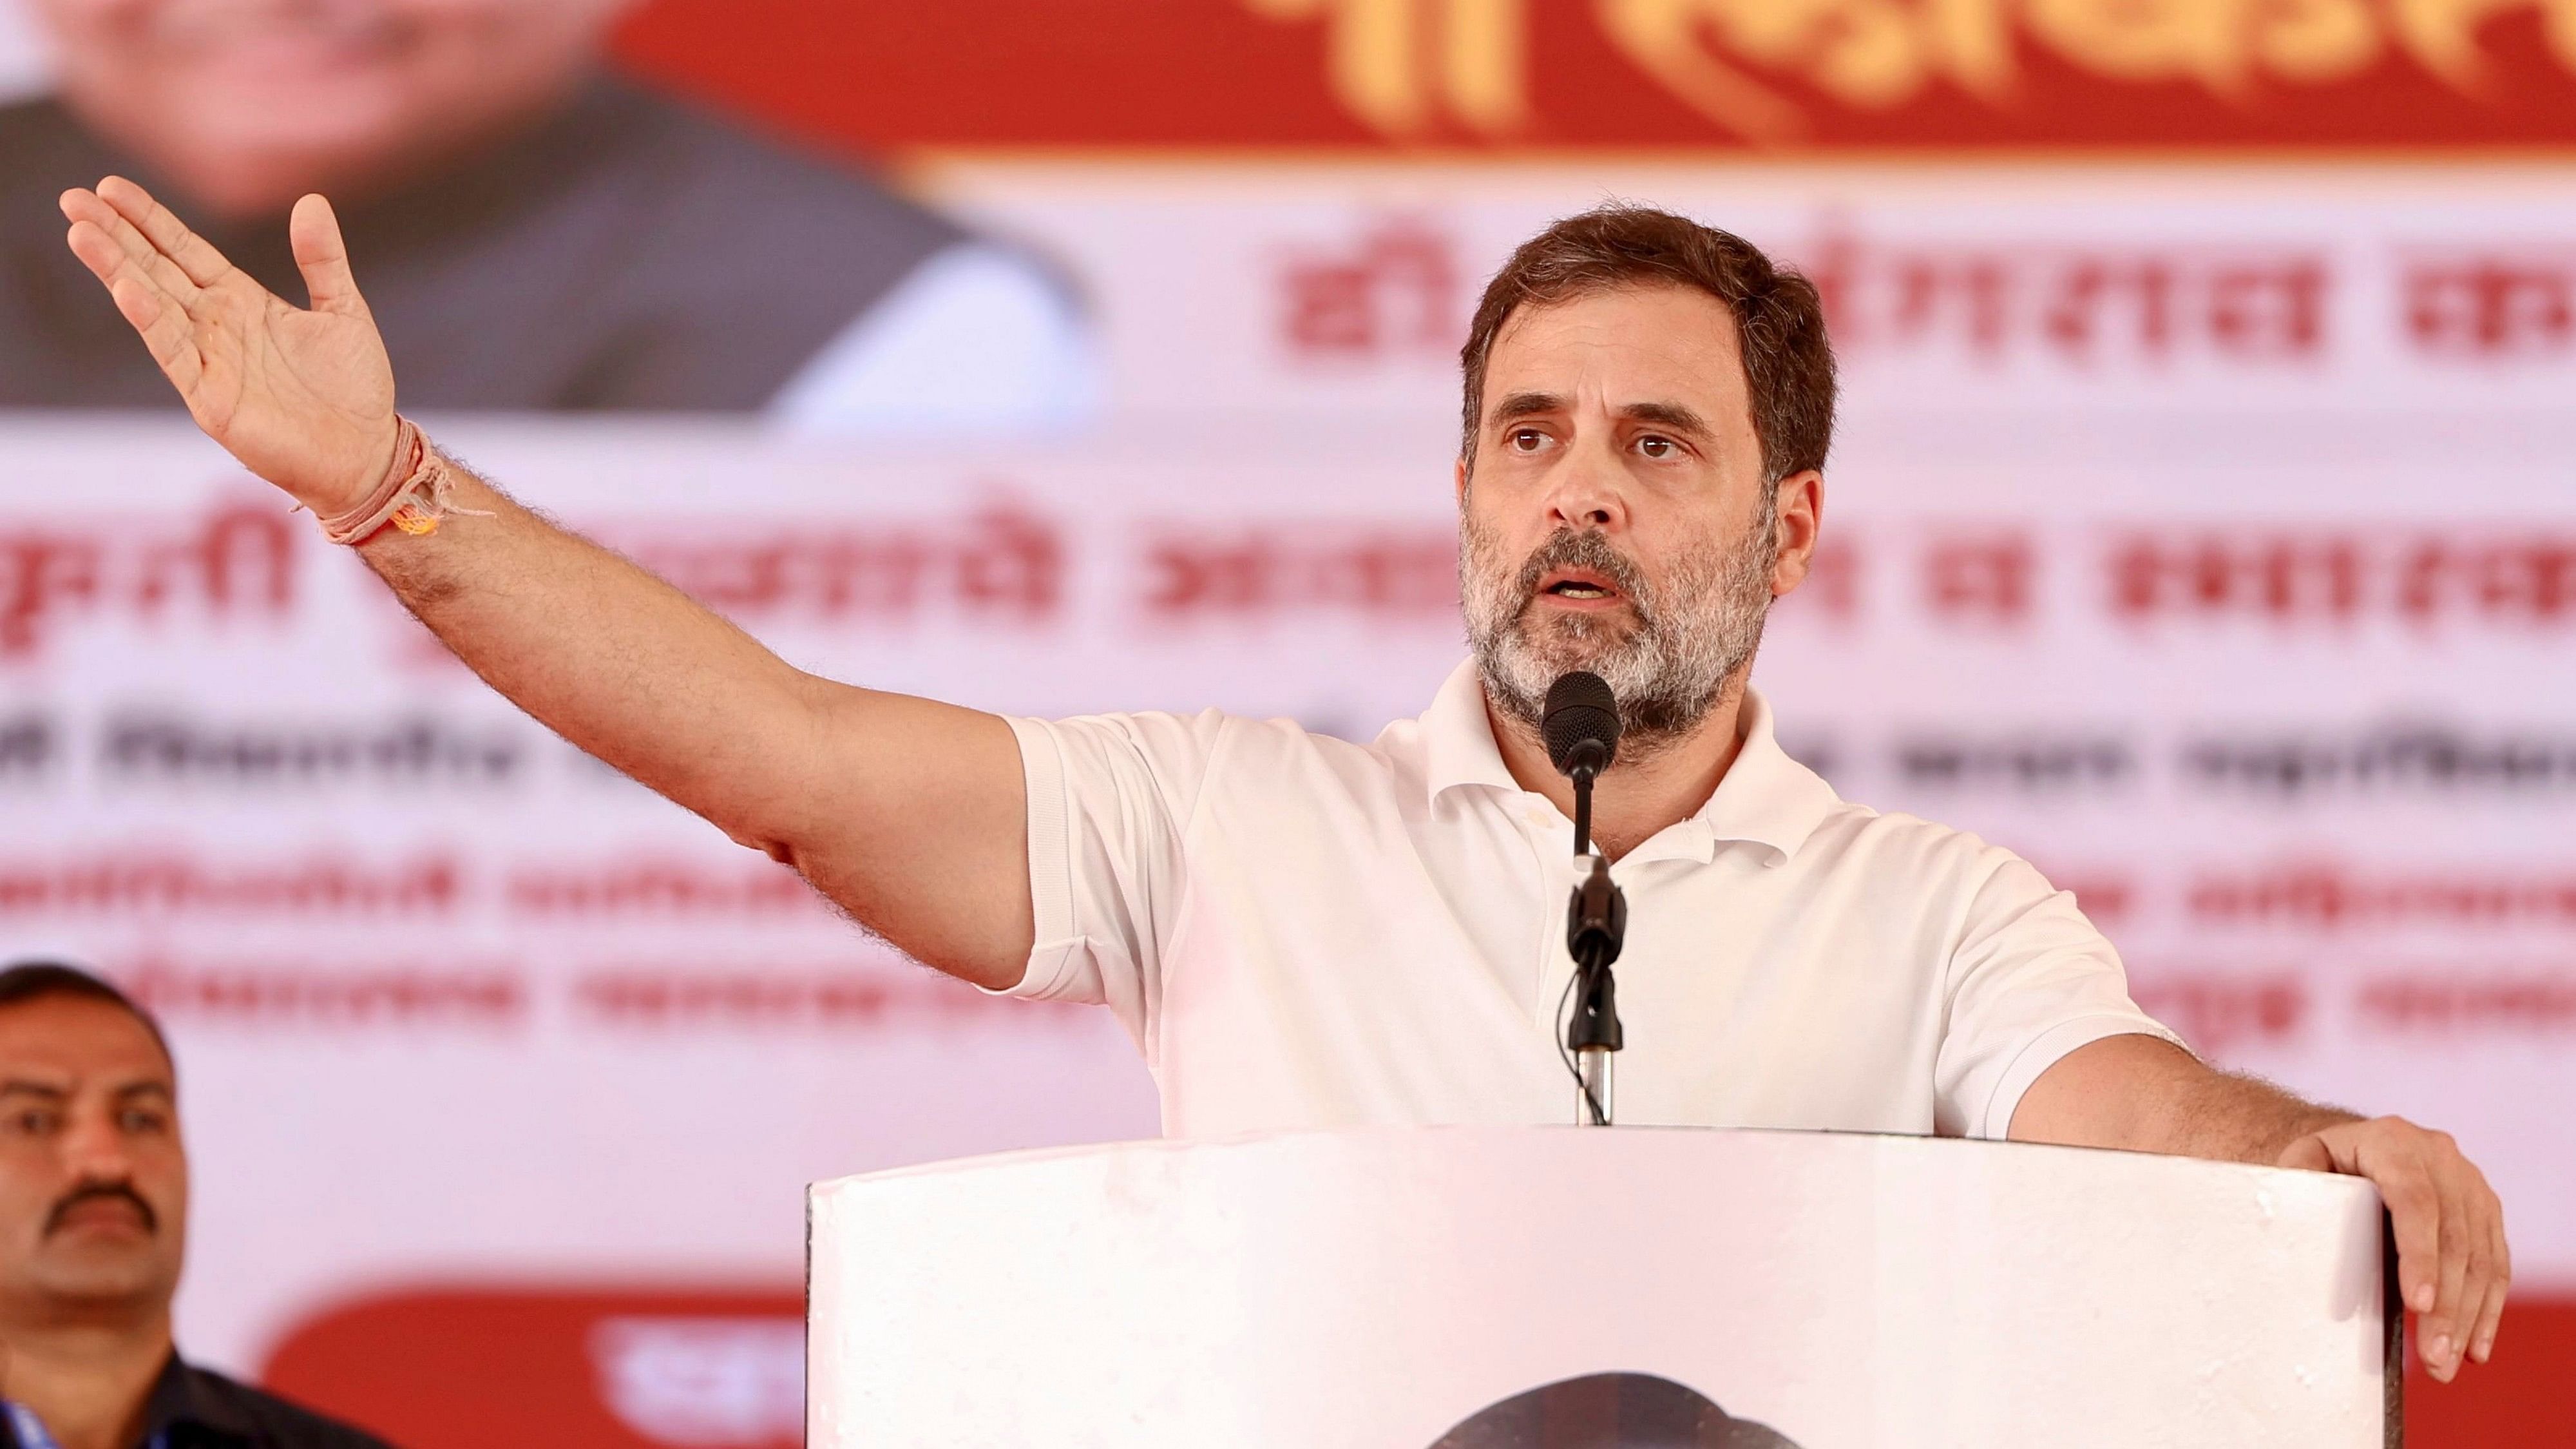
{"x": 1667, "y": 665}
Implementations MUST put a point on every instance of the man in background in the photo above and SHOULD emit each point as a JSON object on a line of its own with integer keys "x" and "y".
{"x": 1611, "y": 1411}
{"x": 93, "y": 1226}
{"x": 538, "y": 235}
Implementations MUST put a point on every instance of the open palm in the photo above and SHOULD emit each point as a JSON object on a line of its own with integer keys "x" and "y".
{"x": 303, "y": 397}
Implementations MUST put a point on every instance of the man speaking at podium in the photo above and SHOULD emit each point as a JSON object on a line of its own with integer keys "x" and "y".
{"x": 1304, "y": 932}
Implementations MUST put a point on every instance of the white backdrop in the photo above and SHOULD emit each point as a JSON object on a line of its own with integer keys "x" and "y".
{"x": 2205, "y": 536}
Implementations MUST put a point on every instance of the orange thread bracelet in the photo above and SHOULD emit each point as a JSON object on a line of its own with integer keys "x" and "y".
{"x": 414, "y": 496}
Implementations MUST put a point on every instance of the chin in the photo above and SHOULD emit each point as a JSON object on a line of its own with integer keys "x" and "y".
{"x": 106, "y": 1272}
{"x": 257, "y": 169}
{"x": 1576, "y": 641}
{"x": 118, "y": 1295}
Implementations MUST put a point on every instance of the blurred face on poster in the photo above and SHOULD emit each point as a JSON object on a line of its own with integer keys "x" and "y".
{"x": 248, "y": 104}
{"x": 1615, "y": 517}
{"x": 93, "y": 1180}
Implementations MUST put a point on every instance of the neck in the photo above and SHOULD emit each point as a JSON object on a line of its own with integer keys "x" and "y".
{"x": 87, "y": 1380}
{"x": 1647, "y": 790}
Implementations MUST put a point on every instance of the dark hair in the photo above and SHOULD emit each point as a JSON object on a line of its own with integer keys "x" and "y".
{"x": 1779, "y": 318}
{"x": 33, "y": 980}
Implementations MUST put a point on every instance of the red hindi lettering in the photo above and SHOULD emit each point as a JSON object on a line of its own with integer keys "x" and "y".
{"x": 1398, "y": 288}
{"x": 42, "y": 575}
{"x": 1012, "y": 561}
{"x": 1985, "y": 579}
{"x": 2491, "y": 307}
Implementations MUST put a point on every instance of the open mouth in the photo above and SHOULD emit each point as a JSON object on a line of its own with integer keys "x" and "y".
{"x": 1580, "y": 586}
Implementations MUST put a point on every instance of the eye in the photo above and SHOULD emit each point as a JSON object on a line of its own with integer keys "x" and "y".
{"x": 1526, "y": 440}
{"x": 32, "y": 1122}
{"x": 142, "y": 1120}
{"x": 1657, "y": 446}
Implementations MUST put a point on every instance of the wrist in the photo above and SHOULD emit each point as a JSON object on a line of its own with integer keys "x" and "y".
{"x": 413, "y": 494}
{"x": 386, "y": 457}
{"x": 373, "y": 505}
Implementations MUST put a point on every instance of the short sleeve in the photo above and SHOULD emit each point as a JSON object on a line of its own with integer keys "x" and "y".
{"x": 2031, "y": 980}
{"x": 1109, "y": 803}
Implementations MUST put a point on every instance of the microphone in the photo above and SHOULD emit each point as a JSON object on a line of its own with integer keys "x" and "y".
{"x": 1580, "y": 726}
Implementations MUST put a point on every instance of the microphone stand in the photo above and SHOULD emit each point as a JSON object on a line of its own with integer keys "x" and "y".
{"x": 1596, "y": 925}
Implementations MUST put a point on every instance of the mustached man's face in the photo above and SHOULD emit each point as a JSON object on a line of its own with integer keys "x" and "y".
{"x": 1615, "y": 516}
{"x": 248, "y": 104}
{"x": 93, "y": 1182}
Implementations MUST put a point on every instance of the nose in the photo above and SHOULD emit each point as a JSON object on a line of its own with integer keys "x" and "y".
{"x": 1585, "y": 492}
{"x": 95, "y": 1151}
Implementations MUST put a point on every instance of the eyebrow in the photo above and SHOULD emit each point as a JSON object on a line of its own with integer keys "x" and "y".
{"x": 1527, "y": 404}
{"x": 1671, "y": 415}
{"x": 1679, "y": 418}
{"x": 21, "y": 1087}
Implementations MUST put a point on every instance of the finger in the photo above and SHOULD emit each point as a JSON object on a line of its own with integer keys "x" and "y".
{"x": 112, "y": 264}
{"x": 98, "y": 251}
{"x": 2489, "y": 1320}
{"x": 2462, "y": 1242}
{"x": 2308, "y": 1154}
{"x": 83, "y": 206}
{"x": 2415, "y": 1221}
{"x": 165, "y": 330}
{"x": 324, "y": 258}
{"x": 2482, "y": 1337}
{"x": 154, "y": 313}
{"x": 142, "y": 306}
{"x": 195, "y": 255}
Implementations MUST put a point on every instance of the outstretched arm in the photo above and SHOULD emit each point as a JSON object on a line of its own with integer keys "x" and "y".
{"x": 2148, "y": 1095}
{"x": 907, "y": 812}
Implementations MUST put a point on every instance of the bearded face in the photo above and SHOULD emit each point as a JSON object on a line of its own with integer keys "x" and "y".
{"x": 1666, "y": 651}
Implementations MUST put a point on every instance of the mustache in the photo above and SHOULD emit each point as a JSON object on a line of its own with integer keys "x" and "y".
{"x": 91, "y": 1192}
{"x": 1589, "y": 550}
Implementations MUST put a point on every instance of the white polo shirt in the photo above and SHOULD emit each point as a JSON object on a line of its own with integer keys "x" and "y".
{"x": 1302, "y": 932}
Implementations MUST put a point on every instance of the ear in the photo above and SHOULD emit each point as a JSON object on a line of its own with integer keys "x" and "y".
{"x": 1462, "y": 482}
{"x": 1796, "y": 519}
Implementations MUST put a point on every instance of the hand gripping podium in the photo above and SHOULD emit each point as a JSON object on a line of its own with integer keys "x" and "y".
{"x": 1536, "y": 1287}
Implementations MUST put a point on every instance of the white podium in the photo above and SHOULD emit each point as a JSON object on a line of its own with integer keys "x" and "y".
{"x": 1475, "y": 1288}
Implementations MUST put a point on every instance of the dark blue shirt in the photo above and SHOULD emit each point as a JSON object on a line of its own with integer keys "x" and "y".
{"x": 194, "y": 1408}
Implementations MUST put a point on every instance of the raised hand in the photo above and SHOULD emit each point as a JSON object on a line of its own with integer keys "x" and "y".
{"x": 303, "y": 397}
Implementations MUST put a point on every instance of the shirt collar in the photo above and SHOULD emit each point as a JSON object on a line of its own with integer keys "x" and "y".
{"x": 1767, "y": 798}
{"x": 179, "y": 1398}
{"x": 1458, "y": 737}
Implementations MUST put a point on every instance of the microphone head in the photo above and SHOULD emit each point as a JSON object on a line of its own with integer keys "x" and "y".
{"x": 1580, "y": 723}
